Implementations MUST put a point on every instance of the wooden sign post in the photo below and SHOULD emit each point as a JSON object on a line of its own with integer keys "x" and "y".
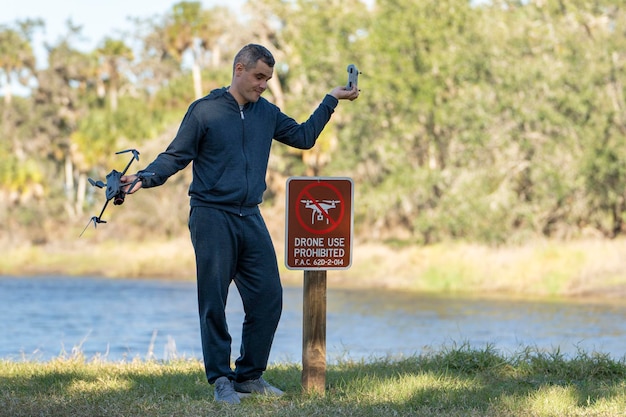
{"x": 314, "y": 332}
{"x": 318, "y": 238}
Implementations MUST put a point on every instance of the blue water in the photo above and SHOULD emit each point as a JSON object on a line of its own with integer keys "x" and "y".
{"x": 47, "y": 317}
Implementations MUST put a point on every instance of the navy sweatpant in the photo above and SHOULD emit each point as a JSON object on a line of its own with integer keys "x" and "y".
{"x": 228, "y": 248}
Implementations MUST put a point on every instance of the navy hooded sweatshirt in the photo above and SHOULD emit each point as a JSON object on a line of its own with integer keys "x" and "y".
{"x": 230, "y": 148}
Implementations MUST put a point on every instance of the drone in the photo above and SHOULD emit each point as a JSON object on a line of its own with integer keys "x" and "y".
{"x": 353, "y": 76}
{"x": 115, "y": 190}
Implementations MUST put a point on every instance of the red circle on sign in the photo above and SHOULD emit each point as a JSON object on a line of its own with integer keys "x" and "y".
{"x": 333, "y": 223}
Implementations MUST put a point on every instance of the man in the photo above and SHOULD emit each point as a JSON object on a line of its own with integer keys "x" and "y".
{"x": 228, "y": 135}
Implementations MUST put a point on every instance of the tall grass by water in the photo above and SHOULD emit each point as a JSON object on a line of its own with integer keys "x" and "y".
{"x": 454, "y": 381}
{"x": 573, "y": 269}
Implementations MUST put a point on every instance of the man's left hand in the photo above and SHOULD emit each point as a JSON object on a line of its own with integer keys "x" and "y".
{"x": 342, "y": 93}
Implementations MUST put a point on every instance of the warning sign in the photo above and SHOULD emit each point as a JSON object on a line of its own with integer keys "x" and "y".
{"x": 319, "y": 223}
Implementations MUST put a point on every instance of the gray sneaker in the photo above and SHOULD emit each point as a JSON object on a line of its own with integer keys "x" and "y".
{"x": 257, "y": 386}
{"x": 224, "y": 391}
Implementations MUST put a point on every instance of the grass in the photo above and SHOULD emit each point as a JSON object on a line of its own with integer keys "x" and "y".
{"x": 456, "y": 381}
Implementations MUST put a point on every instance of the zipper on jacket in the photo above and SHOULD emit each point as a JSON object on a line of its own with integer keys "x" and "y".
{"x": 245, "y": 158}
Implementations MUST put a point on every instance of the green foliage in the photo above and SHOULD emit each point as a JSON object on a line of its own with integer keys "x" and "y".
{"x": 18, "y": 176}
{"x": 492, "y": 121}
{"x": 17, "y": 59}
{"x": 103, "y": 131}
{"x": 494, "y": 105}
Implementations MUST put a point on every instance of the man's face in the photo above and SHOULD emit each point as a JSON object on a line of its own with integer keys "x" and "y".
{"x": 251, "y": 83}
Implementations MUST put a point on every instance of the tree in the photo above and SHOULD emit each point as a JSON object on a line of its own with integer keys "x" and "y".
{"x": 417, "y": 120}
{"x": 17, "y": 60}
{"x": 313, "y": 42}
{"x": 112, "y": 55}
{"x": 61, "y": 100}
{"x": 190, "y": 28}
{"x": 20, "y": 175}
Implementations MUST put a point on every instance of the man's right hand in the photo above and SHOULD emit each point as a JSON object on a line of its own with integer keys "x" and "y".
{"x": 128, "y": 179}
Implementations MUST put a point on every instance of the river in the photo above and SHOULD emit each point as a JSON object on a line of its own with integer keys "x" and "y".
{"x": 46, "y": 317}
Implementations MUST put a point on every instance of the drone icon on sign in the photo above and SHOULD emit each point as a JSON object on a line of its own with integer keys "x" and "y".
{"x": 320, "y": 209}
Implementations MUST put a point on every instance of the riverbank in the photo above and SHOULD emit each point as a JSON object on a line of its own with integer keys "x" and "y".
{"x": 589, "y": 269}
{"x": 458, "y": 381}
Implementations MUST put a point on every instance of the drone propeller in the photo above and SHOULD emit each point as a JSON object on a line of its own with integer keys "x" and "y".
{"x": 134, "y": 158}
{"x": 98, "y": 183}
{"x": 95, "y": 220}
{"x": 134, "y": 151}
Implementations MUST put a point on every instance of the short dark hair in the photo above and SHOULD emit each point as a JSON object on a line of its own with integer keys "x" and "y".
{"x": 251, "y": 53}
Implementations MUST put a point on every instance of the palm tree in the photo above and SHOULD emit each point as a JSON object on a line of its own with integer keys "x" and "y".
{"x": 111, "y": 56}
{"x": 191, "y": 28}
{"x": 62, "y": 99}
{"x": 17, "y": 60}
